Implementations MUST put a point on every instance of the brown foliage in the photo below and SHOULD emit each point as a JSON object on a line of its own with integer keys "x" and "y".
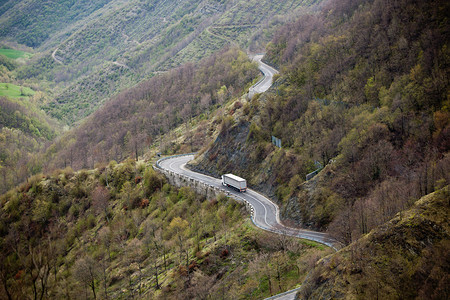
{"x": 224, "y": 253}
{"x": 144, "y": 203}
{"x": 137, "y": 179}
{"x": 192, "y": 266}
{"x": 100, "y": 198}
{"x": 152, "y": 108}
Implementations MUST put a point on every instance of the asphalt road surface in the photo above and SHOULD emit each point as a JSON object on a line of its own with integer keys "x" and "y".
{"x": 265, "y": 212}
{"x": 266, "y": 82}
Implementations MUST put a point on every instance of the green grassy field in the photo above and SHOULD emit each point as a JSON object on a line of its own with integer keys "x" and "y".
{"x": 15, "y": 54}
{"x": 12, "y": 90}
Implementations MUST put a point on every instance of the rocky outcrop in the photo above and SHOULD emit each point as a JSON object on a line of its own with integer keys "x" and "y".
{"x": 264, "y": 167}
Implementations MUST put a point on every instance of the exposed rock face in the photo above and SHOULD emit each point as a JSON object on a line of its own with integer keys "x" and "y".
{"x": 223, "y": 156}
{"x": 264, "y": 169}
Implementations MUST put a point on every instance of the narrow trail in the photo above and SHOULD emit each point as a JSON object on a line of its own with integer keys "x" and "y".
{"x": 57, "y": 60}
{"x": 221, "y": 37}
{"x": 120, "y": 65}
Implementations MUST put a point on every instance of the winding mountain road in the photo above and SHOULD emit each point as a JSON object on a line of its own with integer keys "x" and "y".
{"x": 56, "y": 59}
{"x": 265, "y": 212}
{"x": 264, "y": 84}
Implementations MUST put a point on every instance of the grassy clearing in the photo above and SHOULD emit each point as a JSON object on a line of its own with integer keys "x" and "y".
{"x": 15, "y": 91}
{"x": 15, "y": 54}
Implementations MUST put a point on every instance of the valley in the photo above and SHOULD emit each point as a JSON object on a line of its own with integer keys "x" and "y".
{"x": 343, "y": 143}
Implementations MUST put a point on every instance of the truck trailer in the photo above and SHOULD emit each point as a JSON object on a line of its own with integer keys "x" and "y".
{"x": 234, "y": 182}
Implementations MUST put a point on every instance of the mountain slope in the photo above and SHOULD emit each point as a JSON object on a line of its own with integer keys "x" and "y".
{"x": 406, "y": 258}
{"x": 129, "y": 123}
{"x": 111, "y": 45}
{"x": 24, "y": 128}
{"x": 122, "y": 232}
{"x": 371, "y": 107}
{"x": 33, "y": 22}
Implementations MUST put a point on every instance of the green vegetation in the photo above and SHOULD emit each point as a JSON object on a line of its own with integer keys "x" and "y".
{"x": 7, "y": 65}
{"x": 363, "y": 90}
{"x": 88, "y": 93}
{"x": 14, "y": 54}
{"x": 23, "y": 131}
{"x": 15, "y": 91}
{"x": 121, "y": 231}
{"x": 24, "y": 127}
{"x": 406, "y": 258}
{"x": 33, "y": 22}
{"x": 376, "y": 119}
{"x": 190, "y": 90}
{"x": 23, "y": 115}
{"x": 89, "y": 51}
{"x": 134, "y": 119}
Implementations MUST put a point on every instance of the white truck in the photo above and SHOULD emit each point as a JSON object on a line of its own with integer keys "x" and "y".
{"x": 234, "y": 182}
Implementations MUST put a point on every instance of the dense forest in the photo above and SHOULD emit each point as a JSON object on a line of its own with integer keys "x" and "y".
{"x": 364, "y": 92}
{"x": 134, "y": 119}
{"x": 122, "y": 231}
{"x": 91, "y": 92}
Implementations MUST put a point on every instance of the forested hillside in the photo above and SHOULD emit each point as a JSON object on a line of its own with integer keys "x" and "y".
{"x": 27, "y": 130}
{"x": 362, "y": 99}
{"x": 32, "y": 23}
{"x": 364, "y": 91}
{"x": 24, "y": 128}
{"x": 81, "y": 53}
{"x": 132, "y": 121}
{"x": 88, "y": 51}
{"x": 122, "y": 232}
{"x": 406, "y": 258}
{"x": 84, "y": 52}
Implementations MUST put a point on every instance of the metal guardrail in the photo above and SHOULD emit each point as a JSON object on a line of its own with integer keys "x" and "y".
{"x": 249, "y": 207}
{"x": 259, "y": 81}
{"x": 312, "y": 174}
{"x": 309, "y": 238}
{"x": 227, "y": 193}
{"x": 172, "y": 156}
{"x": 246, "y": 203}
{"x": 283, "y": 294}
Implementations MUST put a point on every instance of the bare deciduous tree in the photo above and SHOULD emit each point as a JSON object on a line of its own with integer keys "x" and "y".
{"x": 86, "y": 271}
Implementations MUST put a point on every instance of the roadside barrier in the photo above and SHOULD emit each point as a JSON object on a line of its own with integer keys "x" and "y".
{"x": 216, "y": 190}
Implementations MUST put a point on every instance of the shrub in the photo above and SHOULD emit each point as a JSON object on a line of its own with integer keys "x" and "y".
{"x": 224, "y": 253}
{"x": 90, "y": 221}
{"x": 152, "y": 182}
{"x": 144, "y": 203}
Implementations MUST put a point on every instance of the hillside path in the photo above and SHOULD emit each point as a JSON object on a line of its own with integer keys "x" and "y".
{"x": 57, "y": 60}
